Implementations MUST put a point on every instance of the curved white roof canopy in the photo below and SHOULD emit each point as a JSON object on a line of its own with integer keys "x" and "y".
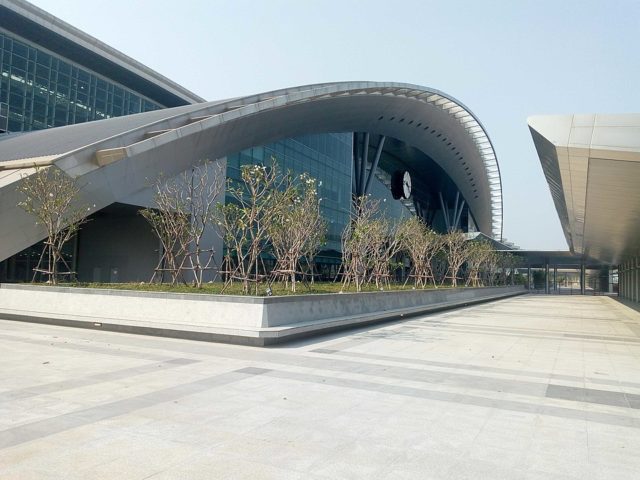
{"x": 116, "y": 158}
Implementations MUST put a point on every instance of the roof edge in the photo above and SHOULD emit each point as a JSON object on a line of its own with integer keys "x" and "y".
{"x": 56, "y": 26}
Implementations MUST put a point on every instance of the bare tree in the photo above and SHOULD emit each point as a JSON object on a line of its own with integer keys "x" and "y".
{"x": 455, "y": 247}
{"x": 356, "y": 245}
{"x": 296, "y": 229}
{"x": 384, "y": 244}
{"x": 205, "y": 184}
{"x": 508, "y": 263}
{"x": 245, "y": 219}
{"x": 440, "y": 265}
{"x": 491, "y": 268}
{"x": 185, "y": 210}
{"x": 171, "y": 224}
{"x": 316, "y": 237}
{"x": 421, "y": 244}
{"x": 51, "y": 197}
{"x": 479, "y": 255}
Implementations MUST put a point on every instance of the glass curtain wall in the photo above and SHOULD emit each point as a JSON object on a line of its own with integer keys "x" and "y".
{"x": 43, "y": 90}
{"x": 327, "y": 158}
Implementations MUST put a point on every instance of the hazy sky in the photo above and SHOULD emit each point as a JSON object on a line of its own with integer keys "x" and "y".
{"x": 505, "y": 60}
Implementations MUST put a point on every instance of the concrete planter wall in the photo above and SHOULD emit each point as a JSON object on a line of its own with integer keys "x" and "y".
{"x": 250, "y": 320}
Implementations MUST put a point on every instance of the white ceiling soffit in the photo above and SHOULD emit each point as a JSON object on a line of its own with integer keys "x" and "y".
{"x": 592, "y": 166}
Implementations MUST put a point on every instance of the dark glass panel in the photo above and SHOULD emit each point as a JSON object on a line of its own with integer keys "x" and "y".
{"x": 40, "y": 110}
{"x": 64, "y": 67}
{"x": 20, "y": 49}
{"x": 82, "y": 114}
{"x": 43, "y": 58}
{"x": 42, "y": 71}
{"x": 83, "y": 76}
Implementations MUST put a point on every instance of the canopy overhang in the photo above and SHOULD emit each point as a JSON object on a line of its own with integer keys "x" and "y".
{"x": 592, "y": 165}
{"x": 115, "y": 158}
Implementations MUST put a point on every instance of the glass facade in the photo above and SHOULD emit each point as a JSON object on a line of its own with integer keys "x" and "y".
{"x": 326, "y": 157}
{"x": 43, "y": 90}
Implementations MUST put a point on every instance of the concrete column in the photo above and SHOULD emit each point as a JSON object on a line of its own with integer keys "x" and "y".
{"x": 636, "y": 280}
{"x": 555, "y": 278}
{"x": 625, "y": 280}
{"x": 610, "y": 279}
{"x": 582, "y": 279}
{"x": 546, "y": 278}
{"x": 625, "y": 275}
{"x": 619, "y": 280}
{"x": 631, "y": 282}
{"x": 529, "y": 277}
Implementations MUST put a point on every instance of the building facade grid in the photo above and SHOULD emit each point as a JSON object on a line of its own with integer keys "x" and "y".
{"x": 43, "y": 90}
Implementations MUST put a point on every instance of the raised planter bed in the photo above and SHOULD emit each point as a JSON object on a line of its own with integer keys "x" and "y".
{"x": 226, "y": 318}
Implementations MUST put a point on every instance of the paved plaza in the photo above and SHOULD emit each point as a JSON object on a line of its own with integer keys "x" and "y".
{"x": 534, "y": 387}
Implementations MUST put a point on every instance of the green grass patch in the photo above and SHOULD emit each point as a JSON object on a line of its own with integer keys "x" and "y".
{"x": 216, "y": 288}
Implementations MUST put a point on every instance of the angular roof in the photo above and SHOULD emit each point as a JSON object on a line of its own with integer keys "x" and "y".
{"x": 592, "y": 166}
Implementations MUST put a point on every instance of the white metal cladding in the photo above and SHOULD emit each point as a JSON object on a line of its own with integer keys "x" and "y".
{"x": 485, "y": 150}
{"x": 114, "y": 158}
{"x": 592, "y": 166}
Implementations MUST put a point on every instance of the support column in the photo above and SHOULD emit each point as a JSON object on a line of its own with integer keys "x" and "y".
{"x": 625, "y": 275}
{"x": 457, "y": 222}
{"x": 356, "y": 164}
{"x": 626, "y": 280}
{"x": 546, "y": 278}
{"x": 582, "y": 279}
{"x": 363, "y": 164}
{"x": 555, "y": 278}
{"x": 445, "y": 212}
{"x": 529, "y": 277}
{"x": 636, "y": 279}
{"x": 455, "y": 212}
{"x": 374, "y": 166}
{"x": 629, "y": 280}
{"x": 619, "y": 280}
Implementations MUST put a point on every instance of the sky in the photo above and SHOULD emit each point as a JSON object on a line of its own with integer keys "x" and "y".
{"x": 505, "y": 60}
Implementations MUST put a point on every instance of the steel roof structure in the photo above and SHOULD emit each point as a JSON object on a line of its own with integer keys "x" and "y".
{"x": 114, "y": 158}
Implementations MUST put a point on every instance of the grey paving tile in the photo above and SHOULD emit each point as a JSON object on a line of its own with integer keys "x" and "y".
{"x": 444, "y": 396}
{"x": 51, "y": 426}
{"x": 522, "y": 373}
{"x": 68, "y": 384}
{"x": 518, "y": 406}
{"x": 589, "y": 395}
{"x": 55, "y": 343}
